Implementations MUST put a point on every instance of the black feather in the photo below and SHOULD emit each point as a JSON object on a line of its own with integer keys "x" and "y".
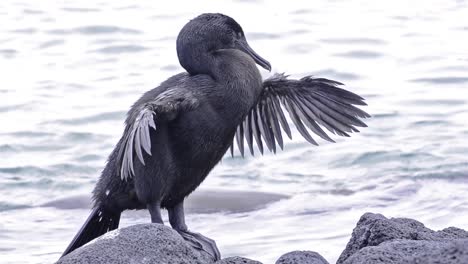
{"x": 312, "y": 104}
{"x": 256, "y": 130}
{"x": 240, "y": 138}
{"x": 249, "y": 132}
{"x": 306, "y": 115}
{"x": 266, "y": 128}
{"x": 274, "y": 122}
{"x": 296, "y": 120}
{"x": 280, "y": 114}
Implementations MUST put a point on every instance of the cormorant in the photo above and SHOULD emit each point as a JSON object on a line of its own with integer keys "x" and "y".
{"x": 177, "y": 132}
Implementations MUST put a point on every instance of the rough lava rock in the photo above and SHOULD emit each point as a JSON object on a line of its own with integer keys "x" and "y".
{"x": 144, "y": 243}
{"x": 377, "y": 239}
{"x": 413, "y": 251}
{"x": 302, "y": 257}
{"x": 237, "y": 260}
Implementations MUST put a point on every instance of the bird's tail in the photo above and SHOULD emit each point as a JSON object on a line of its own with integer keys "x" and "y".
{"x": 98, "y": 223}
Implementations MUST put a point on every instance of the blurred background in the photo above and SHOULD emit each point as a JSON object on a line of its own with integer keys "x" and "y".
{"x": 70, "y": 70}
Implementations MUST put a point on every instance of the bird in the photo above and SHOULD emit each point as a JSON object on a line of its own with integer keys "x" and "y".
{"x": 176, "y": 133}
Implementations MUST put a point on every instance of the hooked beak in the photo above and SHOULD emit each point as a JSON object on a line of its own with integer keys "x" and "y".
{"x": 244, "y": 46}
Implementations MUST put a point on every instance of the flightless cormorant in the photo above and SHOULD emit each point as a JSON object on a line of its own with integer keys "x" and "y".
{"x": 177, "y": 132}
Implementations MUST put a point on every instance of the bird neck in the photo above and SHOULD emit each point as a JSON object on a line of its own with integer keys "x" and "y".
{"x": 238, "y": 81}
{"x": 234, "y": 68}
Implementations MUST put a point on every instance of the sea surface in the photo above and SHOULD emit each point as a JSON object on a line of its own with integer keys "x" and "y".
{"x": 69, "y": 71}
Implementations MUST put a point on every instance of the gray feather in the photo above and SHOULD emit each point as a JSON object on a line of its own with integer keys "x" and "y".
{"x": 280, "y": 114}
{"x": 232, "y": 148}
{"x": 138, "y": 145}
{"x": 312, "y": 104}
{"x": 146, "y": 141}
{"x": 339, "y": 118}
{"x": 274, "y": 122}
{"x": 137, "y": 134}
{"x": 248, "y": 132}
{"x": 256, "y": 130}
{"x": 269, "y": 137}
{"x": 240, "y": 138}
{"x": 307, "y": 117}
{"x": 329, "y": 122}
{"x": 297, "y": 122}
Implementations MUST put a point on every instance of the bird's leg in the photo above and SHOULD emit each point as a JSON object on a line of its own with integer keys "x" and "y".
{"x": 196, "y": 240}
{"x": 155, "y": 212}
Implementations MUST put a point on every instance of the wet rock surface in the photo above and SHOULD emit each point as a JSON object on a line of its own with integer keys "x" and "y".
{"x": 413, "y": 251}
{"x": 144, "y": 243}
{"x": 302, "y": 257}
{"x": 237, "y": 260}
{"x": 375, "y": 239}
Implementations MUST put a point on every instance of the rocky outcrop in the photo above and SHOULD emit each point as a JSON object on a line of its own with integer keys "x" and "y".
{"x": 301, "y": 257}
{"x": 377, "y": 239}
{"x": 237, "y": 260}
{"x": 413, "y": 251}
{"x": 144, "y": 243}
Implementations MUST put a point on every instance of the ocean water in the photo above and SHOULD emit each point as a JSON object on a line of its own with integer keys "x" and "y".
{"x": 70, "y": 70}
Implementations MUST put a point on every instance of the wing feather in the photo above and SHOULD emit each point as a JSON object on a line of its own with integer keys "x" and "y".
{"x": 240, "y": 138}
{"x": 137, "y": 138}
{"x": 282, "y": 118}
{"x": 307, "y": 117}
{"x": 311, "y": 103}
{"x": 138, "y": 146}
{"x": 249, "y": 132}
{"x": 292, "y": 111}
{"x": 274, "y": 122}
{"x": 256, "y": 130}
{"x": 265, "y": 128}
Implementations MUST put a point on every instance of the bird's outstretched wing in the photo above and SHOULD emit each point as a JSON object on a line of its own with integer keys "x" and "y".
{"x": 310, "y": 102}
{"x": 146, "y": 114}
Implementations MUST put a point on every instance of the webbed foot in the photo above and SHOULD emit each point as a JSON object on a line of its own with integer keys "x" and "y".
{"x": 201, "y": 242}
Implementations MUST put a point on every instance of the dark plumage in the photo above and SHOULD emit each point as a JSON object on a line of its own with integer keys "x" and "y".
{"x": 176, "y": 133}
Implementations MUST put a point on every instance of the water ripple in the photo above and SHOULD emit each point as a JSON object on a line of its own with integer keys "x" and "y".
{"x": 358, "y": 41}
{"x": 88, "y": 157}
{"x": 8, "y": 53}
{"x": 5, "y": 206}
{"x": 433, "y": 102}
{"x": 82, "y": 136}
{"x": 444, "y": 175}
{"x": 80, "y": 9}
{"x": 28, "y": 30}
{"x": 301, "y": 48}
{"x": 262, "y": 36}
{"x": 25, "y": 170}
{"x": 94, "y": 30}
{"x": 44, "y": 146}
{"x": 119, "y": 49}
{"x": 359, "y": 54}
{"x": 170, "y": 67}
{"x": 29, "y": 134}
{"x": 443, "y": 80}
{"x": 430, "y": 123}
{"x": 51, "y": 43}
{"x": 32, "y": 11}
{"x": 102, "y": 117}
{"x": 337, "y": 74}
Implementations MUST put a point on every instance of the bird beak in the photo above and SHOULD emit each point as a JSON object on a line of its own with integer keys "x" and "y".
{"x": 244, "y": 46}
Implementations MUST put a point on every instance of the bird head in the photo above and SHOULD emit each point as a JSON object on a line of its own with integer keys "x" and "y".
{"x": 208, "y": 33}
